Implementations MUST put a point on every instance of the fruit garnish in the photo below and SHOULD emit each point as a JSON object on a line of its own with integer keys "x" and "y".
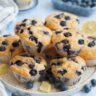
{"x": 29, "y": 85}
{"x": 87, "y": 88}
{"x": 4, "y": 68}
{"x": 89, "y": 28}
{"x": 45, "y": 87}
{"x": 93, "y": 82}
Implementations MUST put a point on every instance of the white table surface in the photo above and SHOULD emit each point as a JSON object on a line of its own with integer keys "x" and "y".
{"x": 43, "y": 9}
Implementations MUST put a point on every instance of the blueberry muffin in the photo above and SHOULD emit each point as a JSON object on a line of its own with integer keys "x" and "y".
{"x": 60, "y": 21}
{"x": 68, "y": 43}
{"x": 89, "y": 50}
{"x": 27, "y": 23}
{"x": 5, "y": 53}
{"x": 35, "y": 39}
{"x": 51, "y": 53}
{"x": 28, "y": 68}
{"x": 68, "y": 70}
{"x": 15, "y": 45}
{"x": 10, "y": 45}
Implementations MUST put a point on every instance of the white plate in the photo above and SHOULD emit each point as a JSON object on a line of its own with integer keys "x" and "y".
{"x": 13, "y": 85}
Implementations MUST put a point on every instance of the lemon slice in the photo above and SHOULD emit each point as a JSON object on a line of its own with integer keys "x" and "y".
{"x": 45, "y": 87}
{"x": 4, "y": 68}
{"x": 89, "y": 28}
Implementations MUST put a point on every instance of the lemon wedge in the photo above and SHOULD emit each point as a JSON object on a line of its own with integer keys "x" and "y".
{"x": 89, "y": 28}
{"x": 45, "y": 87}
{"x": 4, "y": 69}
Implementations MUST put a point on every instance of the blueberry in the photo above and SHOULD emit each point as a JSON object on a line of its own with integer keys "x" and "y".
{"x": 14, "y": 94}
{"x": 30, "y": 32}
{"x": 40, "y": 45}
{"x": 4, "y": 43}
{"x": 58, "y": 32}
{"x": 24, "y": 20}
{"x": 46, "y": 33}
{"x": 32, "y": 38}
{"x": 31, "y": 66}
{"x": 62, "y": 72}
{"x": 93, "y": 82}
{"x": 33, "y": 72}
{"x": 2, "y": 48}
{"x": 87, "y": 88}
{"x": 63, "y": 23}
{"x": 33, "y": 22}
{"x": 61, "y": 86}
{"x": 29, "y": 85}
{"x": 65, "y": 0}
{"x": 81, "y": 41}
{"x": 19, "y": 63}
{"x": 91, "y": 44}
{"x": 15, "y": 44}
{"x": 67, "y": 34}
{"x": 57, "y": 85}
{"x": 21, "y": 31}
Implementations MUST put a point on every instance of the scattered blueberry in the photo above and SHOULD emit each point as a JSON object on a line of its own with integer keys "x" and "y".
{"x": 14, "y": 94}
{"x": 61, "y": 86}
{"x": 87, "y": 88}
{"x": 29, "y": 85}
{"x": 93, "y": 82}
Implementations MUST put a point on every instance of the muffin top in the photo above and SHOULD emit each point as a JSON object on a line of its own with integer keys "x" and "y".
{"x": 28, "y": 66}
{"x": 38, "y": 36}
{"x": 27, "y": 23}
{"x": 4, "y": 47}
{"x": 89, "y": 49}
{"x": 16, "y": 47}
{"x": 67, "y": 42}
{"x": 67, "y": 67}
{"x": 60, "y": 21}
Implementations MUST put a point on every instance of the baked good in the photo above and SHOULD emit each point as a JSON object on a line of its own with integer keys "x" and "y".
{"x": 28, "y": 68}
{"x": 27, "y": 23}
{"x": 5, "y": 53}
{"x": 68, "y": 70}
{"x": 61, "y": 20}
{"x": 35, "y": 39}
{"x": 88, "y": 51}
{"x": 10, "y": 46}
{"x": 68, "y": 43}
{"x": 15, "y": 45}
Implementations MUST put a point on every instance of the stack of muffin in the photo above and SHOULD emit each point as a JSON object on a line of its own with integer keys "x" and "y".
{"x": 53, "y": 50}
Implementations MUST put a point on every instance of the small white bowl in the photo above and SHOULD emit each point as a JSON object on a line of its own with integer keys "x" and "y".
{"x": 15, "y": 86}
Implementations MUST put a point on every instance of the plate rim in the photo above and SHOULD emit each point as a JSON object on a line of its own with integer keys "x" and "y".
{"x": 51, "y": 93}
